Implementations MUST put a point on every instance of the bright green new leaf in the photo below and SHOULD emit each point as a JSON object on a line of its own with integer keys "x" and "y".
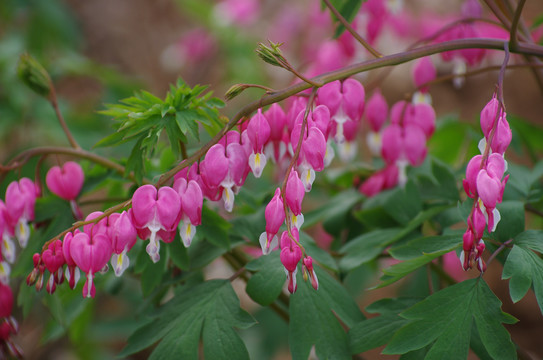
{"x": 314, "y": 319}
{"x": 445, "y": 319}
{"x": 208, "y": 311}
{"x": 524, "y": 267}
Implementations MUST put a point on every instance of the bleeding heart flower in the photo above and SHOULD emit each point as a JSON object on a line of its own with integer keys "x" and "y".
{"x": 72, "y": 271}
{"x": 65, "y": 182}
{"x": 90, "y": 255}
{"x": 155, "y": 214}
{"x": 123, "y": 236}
{"x": 275, "y": 217}
{"x": 20, "y": 202}
{"x": 191, "y": 208}
{"x": 290, "y": 256}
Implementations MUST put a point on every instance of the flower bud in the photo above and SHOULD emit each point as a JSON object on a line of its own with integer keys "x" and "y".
{"x": 34, "y": 75}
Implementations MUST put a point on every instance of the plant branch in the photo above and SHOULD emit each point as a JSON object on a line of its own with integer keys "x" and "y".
{"x": 23, "y": 157}
{"x": 54, "y": 103}
{"x": 353, "y": 32}
{"x": 385, "y": 61}
{"x": 498, "y": 250}
{"x": 514, "y": 25}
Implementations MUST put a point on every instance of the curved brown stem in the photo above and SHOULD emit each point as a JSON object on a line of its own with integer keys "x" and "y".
{"x": 353, "y": 32}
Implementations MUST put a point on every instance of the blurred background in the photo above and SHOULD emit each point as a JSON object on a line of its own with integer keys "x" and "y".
{"x": 101, "y": 51}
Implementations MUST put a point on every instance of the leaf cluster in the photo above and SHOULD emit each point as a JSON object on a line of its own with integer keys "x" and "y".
{"x": 143, "y": 117}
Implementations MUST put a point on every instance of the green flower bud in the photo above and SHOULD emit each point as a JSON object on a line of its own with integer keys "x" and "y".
{"x": 234, "y": 91}
{"x": 34, "y": 75}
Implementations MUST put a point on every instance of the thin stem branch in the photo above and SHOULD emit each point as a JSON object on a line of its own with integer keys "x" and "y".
{"x": 353, "y": 32}
{"x": 498, "y": 13}
{"x": 389, "y": 60}
{"x": 54, "y": 103}
{"x": 498, "y": 250}
{"x": 23, "y": 157}
{"x": 514, "y": 25}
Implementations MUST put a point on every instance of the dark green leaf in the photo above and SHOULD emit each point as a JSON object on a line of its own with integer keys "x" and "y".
{"x": 403, "y": 204}
{"x": 214, "y": 228}
{"x": 348, "y": 11}
{"x": 377, "y": 331}
{"x": 512, "y": 220}
{"x": 365, "y": 248}
{"x": 266, "y": 284}
{"x": 445, "y": 319}
{"x": 209, "y": 310}
{"x": 428, "y": 244}
{"x": 336, "y": 208}
{"x": 313, "y": 319}
{"x": 524, "y": 267}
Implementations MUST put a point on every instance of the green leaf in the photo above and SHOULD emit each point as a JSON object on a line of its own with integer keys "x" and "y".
{"x": 151, "y": 276}
{"x": 318, "y": 254}
{"x": 438, "y": 182}
{"x": 313, "y": 320}
{"x": 186, "y": 120}
{"x": 348, "y": 11}
{"x": 208, "y": 311}
{"x": 512, "y": 220}
{"x": 334, "y": 210}
{"x": 428, "y": 244}
{"x": 445, "y": 319}
{"x": 266, "y": 284}
{"x": 377, "y": 331}
{"x": 214, "y": 228}
{"x": 365, "y": 248}
{"x": 403, "y": 204}
{"x": 524, "y": 267}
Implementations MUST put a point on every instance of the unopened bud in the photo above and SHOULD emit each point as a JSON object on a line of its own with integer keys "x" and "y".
{"x": 34, "y": 75}
{"x": 32, "y": 277}
{"x": 271, "y": 54}
{"x": 39, "y": 283}
{"x": 234, "y": 91}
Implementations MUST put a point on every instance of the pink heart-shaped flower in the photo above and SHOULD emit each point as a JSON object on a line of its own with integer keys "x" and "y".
{"x": 65, "y": 182}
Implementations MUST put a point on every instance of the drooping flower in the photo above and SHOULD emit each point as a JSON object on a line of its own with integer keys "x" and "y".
{"x": 155, "y": 214}
{"x": 191, "y": 208}
{"x": 53, "y": 259}
{"x": 290, "y": 256}
{"x": 294, "y": 195}
{"x": 123, "y": 237}
{"x": 66, "y": 181}
{"x": 20, "y": 201}
{"x": 258, "y": 132}
{"x": 275, "y": 217}
{"x": 90, "y": 254}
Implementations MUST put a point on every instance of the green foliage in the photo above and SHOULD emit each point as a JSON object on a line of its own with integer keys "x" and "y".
{"x": 209, "y": 312}
{"x": 143, "y": 117}
{"x": 524, "y": 267}
{"x": 445, "y": 319}
{"x": 310, "y": 309}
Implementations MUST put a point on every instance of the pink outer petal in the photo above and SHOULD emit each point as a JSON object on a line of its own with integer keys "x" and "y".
{"x": 20, "y": 200}
{"x": 81, "y": 252}
{"x": 215, "y": 166}
{"x": 258, "y": 131}
{"x": 237, "y": 163}
{"x": 398, "y": 111}
{"x": 488, "y": 188}
{"x": 496, "y": 165}
{"x": 274, "y": 213}
{"x": 168, "y": 206}
{"x": 191, "y": 199}
{"x": 422, "y": 115}
{"x": 472, "y": 170}
{"x": 392, "y": 143}
{"x": 65, "y": 182}
{"x": 294, "y": 193}
{"x": 502, "y": 136}
{"x": 330, "y": 95}
{"x": 414, "y": 145}
{"x": 100, "y": 227}
{"x": 376, "y": 111}
{"x": 122, "y": 234}
{"x": 423, "y": 72}
{"x": 277, "y": 120}
{"x": 321, "y": 118}
{"x": 353, "y": 99}
{"x": 144, "y": 205}
{"x": 488, "y": 116}
{"x": 314, "y": 148}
